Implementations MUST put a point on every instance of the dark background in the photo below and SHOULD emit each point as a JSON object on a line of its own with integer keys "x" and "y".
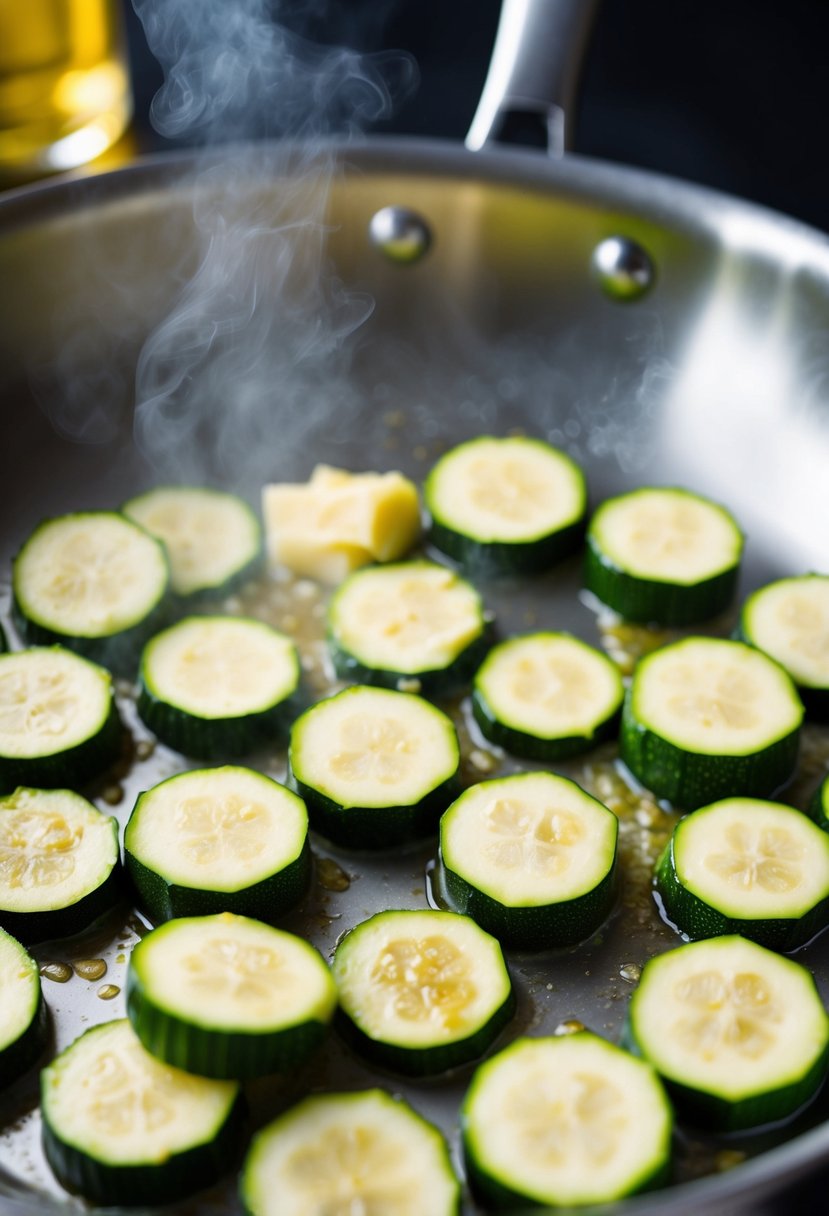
{"x": 733, "y": 94}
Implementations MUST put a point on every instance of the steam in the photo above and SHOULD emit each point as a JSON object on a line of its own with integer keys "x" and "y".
{"x": 230, "y": 385}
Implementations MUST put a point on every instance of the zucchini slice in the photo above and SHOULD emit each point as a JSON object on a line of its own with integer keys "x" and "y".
{"x": 93, "y": 581}
{"x": 58, "y": 721}
{"x": 706, "y": 718}
{"x": 23, "y": 1016}
{"x": 360, "y": 1153}
{"x": 228, "y": 997}
{"x": 375, "y": 767}
{"x": 789, "y": 621}
{"x": 547, "y": 696}
{"x": 531, "y": 858}
{"x": 213, "y": 539}
{"x": 738, "y": 1033}
{"x": 564, "y": 1122}
{"x": 214, "y": 686}
{"x": 750, "y": 867}
{"x": 665, "y": 556}
{"x": 506, "y": 506}
{"x": 410, "y": 620}
{"x": 59, "y": 864}
{"x": 818, "y": 808}
{"x": 120, "y": 1127}
{"x": 218, "y": 840}
{"x": 422, "y": 991}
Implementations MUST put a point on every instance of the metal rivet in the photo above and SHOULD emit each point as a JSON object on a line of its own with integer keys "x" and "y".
{"x": 401, "y": 234}
{"x": 623, "y": 268}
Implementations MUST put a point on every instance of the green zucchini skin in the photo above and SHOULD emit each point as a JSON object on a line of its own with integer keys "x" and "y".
{"x": 180, "y": 603}
{"x": 532, "y": 747}
{"x": 217, "y": 1053}
{"x": 118, "y": 652}
{"x": 547, "y": 927}
{"x": 267, "y": 900}
{"x": 498, "y": 1192}
{"x": 69, "y": 769}
{"x": 499, "y": 559}
{"x": 494, "y": 1195}
{"x": 650, "y": 601}
{"x": 690, "y": 780}
{"x": 4, "y": 641}
{"x": 439, "y": 682}
{"x": 17, "y": 1057}
{"x": 814, "y": 697}
{"x": 715, "y": 1114}
{"x": 695, "y": 919}
{"x": 214, "y": 738}
{"x": 370, "y": 828}
{"x": 818, "y": 808}
{"x": 139, "y": 1185}
{"x": 425, "y": 1061}
{"x": 709, "y": 1110}
{"x": 57, "y": 923}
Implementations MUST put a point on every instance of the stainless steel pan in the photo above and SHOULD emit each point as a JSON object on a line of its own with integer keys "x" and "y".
{"x": 712, "y": 371}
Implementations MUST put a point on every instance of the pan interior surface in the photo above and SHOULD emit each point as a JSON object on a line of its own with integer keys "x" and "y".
{"x": 268, "y": 334}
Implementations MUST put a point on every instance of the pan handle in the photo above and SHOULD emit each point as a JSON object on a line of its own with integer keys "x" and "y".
{"x": 531, "y": 84}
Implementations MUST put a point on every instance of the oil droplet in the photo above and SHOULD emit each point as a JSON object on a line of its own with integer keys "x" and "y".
{"x": 408, "y": 684}
{"x": 90, "y": 968}
{"x": 727, "y": 1158}
{"x": 144, "y": 748}
{"x": 631, "y": 973}
{"x": 113, "y": 794}
{"x": 107, "y": 992}
{"x": 122, "y": 958}
{"x": 435, "y": 895}
{"x": 332, "y": 877}
{"x": 483, "y": 761}
{"x": 59, "y": 973}
{"x": 569, "y": 1026}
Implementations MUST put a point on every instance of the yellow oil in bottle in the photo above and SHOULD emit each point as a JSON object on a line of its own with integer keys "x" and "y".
{"x": 64, "y": 86}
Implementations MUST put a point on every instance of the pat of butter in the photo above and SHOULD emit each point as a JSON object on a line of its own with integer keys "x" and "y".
{"x": 339, "y": 521}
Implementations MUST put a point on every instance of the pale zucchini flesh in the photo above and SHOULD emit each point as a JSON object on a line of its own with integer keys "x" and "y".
{"x": 789, "y": 621}
{"x": 220, "y": 839}
{"x": 506, "y": 505}
{"x": 93, "y": 581}
{"x": 547, "y": 696}
{"x": 663, "y": 555}
{"x": 738, "y": 1033}
{"x": 228, "y": 996}
{"x": 376, "y": 767}
{"x": 568, "y": 1121}
{"x": 58, "y": 721}
{"x": 213, "y": 539}
{"x": 121, "y": 1127}
{"x": 59, "y": 863}
{"x": 410, "y": 620}
{"x": 747, "y": 866}
{"x": 421, "y": 991}
{"x": 362, "y": 1152}
{"x": 706, "y": 718}
{"x": 531, "y": 858}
